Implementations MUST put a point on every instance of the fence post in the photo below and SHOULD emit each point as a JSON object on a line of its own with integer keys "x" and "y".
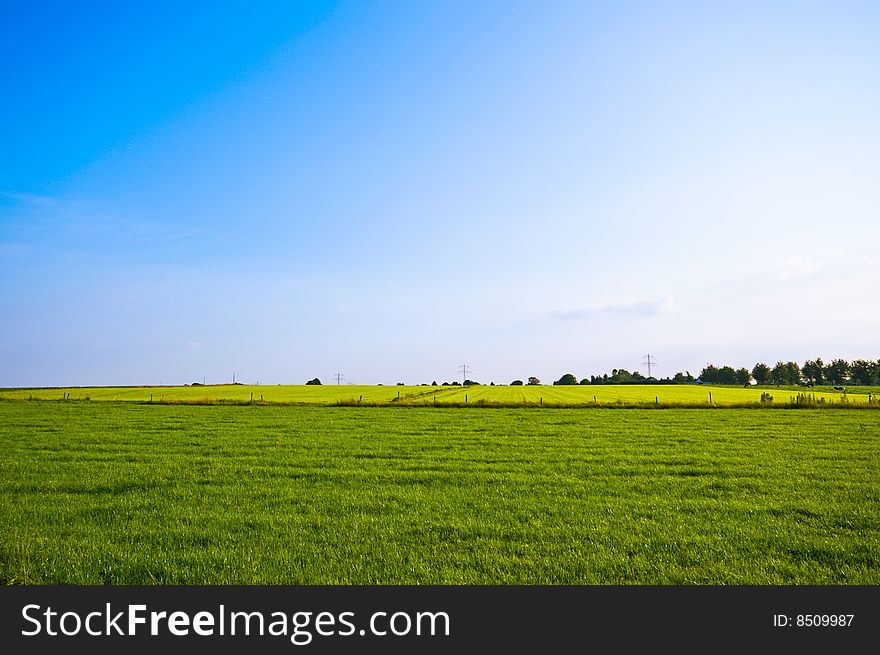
{"x": 710, "y": 397}
{"x": 252, "y": 396}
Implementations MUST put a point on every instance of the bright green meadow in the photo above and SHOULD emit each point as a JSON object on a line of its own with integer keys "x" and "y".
{"x": 130, "y": 493}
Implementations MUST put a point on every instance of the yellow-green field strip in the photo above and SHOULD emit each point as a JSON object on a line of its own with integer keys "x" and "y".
{"x": 478, "y": 395}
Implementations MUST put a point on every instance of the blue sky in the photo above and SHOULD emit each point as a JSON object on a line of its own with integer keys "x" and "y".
{"x": 288, "y": 190}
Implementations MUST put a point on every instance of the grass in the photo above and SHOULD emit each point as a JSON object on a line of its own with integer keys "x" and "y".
{"x": 578, "y": 395}
{"x": 127, "y": 493}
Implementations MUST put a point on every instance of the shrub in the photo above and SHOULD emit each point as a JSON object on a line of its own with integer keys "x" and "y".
{"x": 313, "y": 381}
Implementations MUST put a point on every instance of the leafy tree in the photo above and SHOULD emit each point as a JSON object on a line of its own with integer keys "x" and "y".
{"x": 568, "y": 378}
{"x": 314, "y": 381}
{"x": 743, "y": 376}
{"x": 728, "y": 375}
{"x": 534, "y": 381}
{"x": 619, "y": 375}
{"x": 724, "y": 375}
{"x": 779, "y": 374}
{"x": 787, "y": 373}
{"x": 586, "y": 381}
{"x": 863, "y": 372}
{"x": 710, "y": 374}
{"x": 761, "y": 373}
{"x": 682, "y": 378}
{"x": 434, "y": 383}
{"x": 516, "y": 383}
{"x": 838, "y": 371}
{"x": 814, "y": 371}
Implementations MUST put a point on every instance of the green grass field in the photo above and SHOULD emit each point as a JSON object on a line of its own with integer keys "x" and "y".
{"x": 128, "y": 493}
{"x": 633, "y": 395}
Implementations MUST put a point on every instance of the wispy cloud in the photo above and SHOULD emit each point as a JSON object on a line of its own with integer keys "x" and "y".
{"x": 796, "y": 267}
{"x": 634, "y": 308}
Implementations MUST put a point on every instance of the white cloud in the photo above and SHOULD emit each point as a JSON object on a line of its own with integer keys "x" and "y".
{"x": 797, "y": 267}
{"x": 635, "y": 308}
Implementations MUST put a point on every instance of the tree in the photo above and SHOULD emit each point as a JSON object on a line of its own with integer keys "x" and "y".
{"x": 779, "y": 374}
{"x": 724, "y": 375}
{"x": 814, "y": 371}
{"x": 862, "y": 372}
{"x": 788, "y": 373}
{"x": 568, "y": 378}
{"x": 710, "y": 374}
{"x": 743, "y": 376}
{"x": 682, "y": 378}
{"x": 516, "y": 383}
{"x": 314, "y": 381}
{"x": 534, "y": 381}
{"x": 586, "y": 381}
{"x": 761, "y": 373}
{"x": 619, "y": 375}
{"x": 727, "y": 375}
{"x": 838, "y": 371}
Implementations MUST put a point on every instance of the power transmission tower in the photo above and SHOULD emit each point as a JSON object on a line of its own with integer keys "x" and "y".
{"x": 339, "y": 378}
{"x": 465, "y": 370}
{"x": 649, "y": 362}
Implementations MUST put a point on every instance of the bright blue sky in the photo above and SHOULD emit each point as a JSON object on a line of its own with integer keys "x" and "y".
{"x": 287, "y": 190}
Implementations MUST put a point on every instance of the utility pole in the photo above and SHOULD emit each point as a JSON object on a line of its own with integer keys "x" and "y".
{"x": 465, "y": 370}
{"x": 649, "y": 362}
{"x": 339, "y": 377}
{"x": 233, "y": 377}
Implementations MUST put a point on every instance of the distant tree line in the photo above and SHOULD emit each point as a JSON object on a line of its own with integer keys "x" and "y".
{"x": 814, "y": 372}
{"x": 838, "y": 372}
